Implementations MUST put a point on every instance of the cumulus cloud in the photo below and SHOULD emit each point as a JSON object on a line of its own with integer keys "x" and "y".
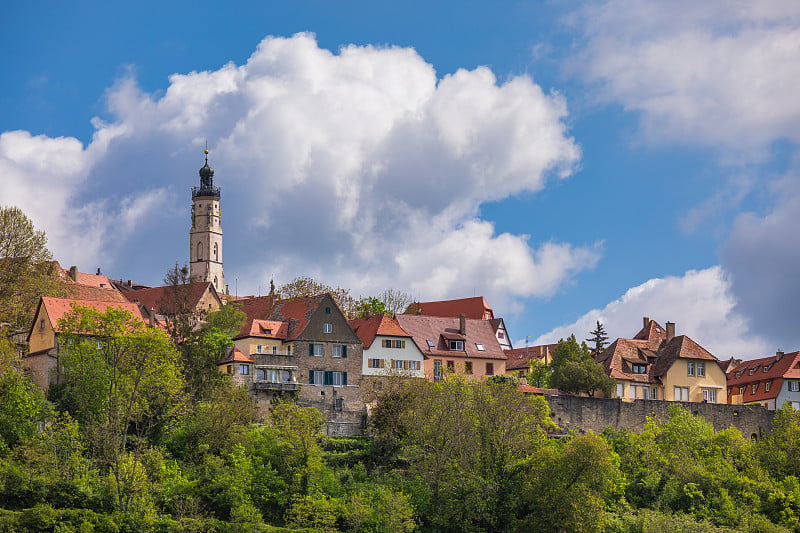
{"x": 763, "y": 258}
{"x": 360, "y": 168}
{"x": 719, "y": 73}
{"x": 700, "y": 303}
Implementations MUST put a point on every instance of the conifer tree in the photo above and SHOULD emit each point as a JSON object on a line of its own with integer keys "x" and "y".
{"x": 598, "y": 338}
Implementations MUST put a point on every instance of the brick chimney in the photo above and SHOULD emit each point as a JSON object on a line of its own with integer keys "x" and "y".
{"x": 645, "y": 321}
{"x": 778, "y": 355}
{"x": 462, "y": 324}
{"x": 73, "y": 273}
{"x": 98, "y": 272}
{"x": 670, "y": 330}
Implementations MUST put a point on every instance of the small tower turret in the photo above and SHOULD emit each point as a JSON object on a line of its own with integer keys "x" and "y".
{"x": 205, "y": 237}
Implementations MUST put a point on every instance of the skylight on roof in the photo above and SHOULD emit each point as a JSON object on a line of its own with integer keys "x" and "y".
{"x": 480, "y": 347}
{"x": 430, "y": 343}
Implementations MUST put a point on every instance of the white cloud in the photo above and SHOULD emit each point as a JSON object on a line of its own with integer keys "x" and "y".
{"x": 720, "y": 73}
{"x": 360, "y": 168}
{"x": 700, "y": 303}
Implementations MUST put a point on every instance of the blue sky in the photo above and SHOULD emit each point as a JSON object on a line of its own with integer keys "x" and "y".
{"x": 570, "y": 161}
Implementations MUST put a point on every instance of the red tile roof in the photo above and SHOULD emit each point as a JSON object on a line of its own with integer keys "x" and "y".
{"x": 164, "y": 299}
{"x": 777, "y": 370}
{"x": 475, "y": 307}
{"x": 236, "y": 356}
{"x": 368, "y": 328}
{"x": 520, "y": 358}
{"x": 295, "y": 312}
{"x": 423, "y": 328}
{"x": 58, "y": 307}
{"x": 530, "y": 389}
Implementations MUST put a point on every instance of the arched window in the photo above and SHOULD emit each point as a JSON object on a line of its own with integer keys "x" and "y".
{"x": 199, "y": 251}
{"x": 216, "y": 251}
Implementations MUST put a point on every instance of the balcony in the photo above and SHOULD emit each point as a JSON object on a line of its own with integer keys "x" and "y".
{"x": 276, "y": 387}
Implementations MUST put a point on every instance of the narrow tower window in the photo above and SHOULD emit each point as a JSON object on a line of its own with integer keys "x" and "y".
{"x": 216, "y": 251}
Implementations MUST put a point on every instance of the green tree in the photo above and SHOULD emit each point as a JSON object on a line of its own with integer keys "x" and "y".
{"x": 305, "y": 286}
{"x": 599, "y": 338}
{"x": 124, "y": 381}
{"x": 390, "y": 301}
{"x": 27, "y": 270}
{"x": 538, "y": 374}
{"x": 299, "y": 430}
{"x": 575, "y": 372}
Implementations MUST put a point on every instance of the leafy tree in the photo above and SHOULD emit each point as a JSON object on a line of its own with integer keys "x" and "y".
{"x": 299, "y": 430}
{"x": 22, "y": 408}
{"x": 538, "y": 374}
{"x": 305, "y": 286}
{"x": 27, "y": 270}
{"x": 599, "y": 338}
{"x": 575, "y": 372}
{"x": 124, "y": 381}
{"x": 390, "y": 301}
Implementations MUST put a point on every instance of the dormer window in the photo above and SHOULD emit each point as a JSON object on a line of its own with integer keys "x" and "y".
{"x": 767, "y": 386}
{"x": 752, "y": 371}
{"x": 457, "y": 345}
{"x": 639, "y": 369}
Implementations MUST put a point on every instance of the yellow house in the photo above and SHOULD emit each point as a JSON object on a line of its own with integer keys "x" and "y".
{"x": 658, "y": 365}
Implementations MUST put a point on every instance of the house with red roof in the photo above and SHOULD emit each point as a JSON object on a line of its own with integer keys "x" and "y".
{"x": 520, "y": 359}
{"x": 298, "y": 346}
{"x": 656, "y": 364}
{"x": 42, "y": 360}
{"x": 474, "y": 308}
{"x": 198, "y": 297}
{"x": 461, "y": 345}
{"x": 388, "y": 348}
{"x": 770, "y": 381}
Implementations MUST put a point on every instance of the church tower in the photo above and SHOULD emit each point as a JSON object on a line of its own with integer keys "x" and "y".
{"x": 205, "y": 237}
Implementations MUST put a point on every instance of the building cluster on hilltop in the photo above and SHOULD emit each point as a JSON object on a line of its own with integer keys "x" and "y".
{"x": 306, "y": 348}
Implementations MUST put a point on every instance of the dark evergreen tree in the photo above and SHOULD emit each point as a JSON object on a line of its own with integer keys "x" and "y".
{"x": 599, "y": 338}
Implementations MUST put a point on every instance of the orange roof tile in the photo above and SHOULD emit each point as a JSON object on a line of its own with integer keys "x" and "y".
{"x": 295, "y": 312}
{"x": 520, "y": 358}
{"x": 164, "y": 299}
{"x": 424, "y": 328}
{"x": 368, "y": 328}
{"x": 236, "y": 356}
{"x": 58, "y": 307}
{"x": 475, "y": 307}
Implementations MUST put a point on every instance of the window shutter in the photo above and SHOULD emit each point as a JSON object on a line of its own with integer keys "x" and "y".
{"x": 310, "y": 377}
{"x": 405, "y": 365}
{"x": 344, "y": 351}
{"x": 311, "y": 349}
{"x": 381, "y": 363}
{"x": 344, "y": 378}
{"x": 328, "y": 378}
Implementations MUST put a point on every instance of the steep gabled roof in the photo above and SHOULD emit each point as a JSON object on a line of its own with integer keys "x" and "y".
{"x": 435, "y": 329}
{"x": 162, "y": 299}
{"x": 520, "y": 358}
{"x": 475, "y": 307}
{"x": 369, "y": 328}
{"x": 680, "y": 347}
{"x": 788, "y": 366}
{"x": 652, "y": 332}
{"x": 617, "y": 359}
{"x": 294, "y": 312}
{"x": 56, "y": 308}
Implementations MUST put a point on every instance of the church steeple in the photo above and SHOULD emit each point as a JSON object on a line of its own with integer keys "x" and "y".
{"x": 205, "y": 237}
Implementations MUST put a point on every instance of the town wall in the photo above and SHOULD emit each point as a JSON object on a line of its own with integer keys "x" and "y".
{"x": 595, "y": 414}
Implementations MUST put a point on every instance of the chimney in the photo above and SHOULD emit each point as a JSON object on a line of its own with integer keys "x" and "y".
{"x": 778, "y": 355}
{"x": 462, "y": 324}
{"x": 130, "y": 283}
{"x": 646, "y": 321}
{"x": 73, "y": 273}
{"x": 670, "y": 330}
{"x": 98, "y": 272}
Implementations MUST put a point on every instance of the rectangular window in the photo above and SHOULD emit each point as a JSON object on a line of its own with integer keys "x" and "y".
{"x": 681, "y": 394}
{"x": 327, "y": 310}
{"x": 289, "y": 349}
{"x": 316, "y": 377}
{"x": 430, "y": 343}
{"x": 755, "y": 388}
{"x": 710, "y": 395}
{"x": 654, "y": 393}
{"x": 398, "y": 364}
{"x": 701, "y": 369}
{"x": 244, "y": 369}
{"x": 274, "y": 350}
{"x": 741, "y": 390}
{"x": 451, "y": 366}
{"x": 327, "y": 327}
{"x": 480, "y": 347}
{"x": 437, "y": 369}
{"x": 315, "y": 350}
{"x": 793, "y": 386}
{"x": 337, "y": 379}
{"x": 261, "y": 374}
{"x": 468, "y": 367}
{"x": 690, "y": 368}
{"x": 374, "y": 363}
{"x": 340, "y": 350}
{"x": 394, "y": 343}
{"x": 229, "y": 369}
{"x": 259, "y": 349}
{"x": 387, "y": 343}
{"x": 640, "y": 369}
{"x": 273, "y": 376}
{"x": 457, "y": 345}
{"x": 620, "y": 390}
{"x": 645, "y": 393}
{"x": 489, "y": 369}
{"x": 631, "y": 392}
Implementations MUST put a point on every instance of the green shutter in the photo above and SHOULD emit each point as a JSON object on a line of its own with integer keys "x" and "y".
{"x": 344, "y": 378}
{"x": 328, "y": 378}
{"x": 310, "y": 377}
{"x": 311, "y": 349}
{"x": 344, "y": 350}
